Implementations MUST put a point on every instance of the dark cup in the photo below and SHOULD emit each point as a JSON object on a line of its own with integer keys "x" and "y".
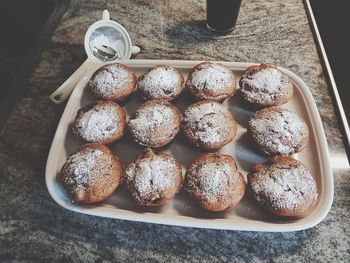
{"x": 222, "y": 15}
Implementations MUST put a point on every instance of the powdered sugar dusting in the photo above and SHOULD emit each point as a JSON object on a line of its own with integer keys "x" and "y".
{"x": 152, "y": 177}
{"x": 208, "y": 122}
{"x": 265, "y": 85}
{"x": 162, "y": 82}
{"x": 110, "y": 80}
{"x": 100, "y": 122}
{"x": 280, "y": 129}
{"x": 285, "y": 188}
{"x": 154, "y": 122}
{"x": 214, "y": 179}
{"x": 84, "y": 167}
{"x": 213, "y": 79}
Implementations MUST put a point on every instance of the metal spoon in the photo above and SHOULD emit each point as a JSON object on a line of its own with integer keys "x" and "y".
{"x": 104, "y": 53}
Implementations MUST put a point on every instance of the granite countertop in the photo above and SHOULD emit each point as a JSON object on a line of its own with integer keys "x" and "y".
{"x": 34, "y": 228}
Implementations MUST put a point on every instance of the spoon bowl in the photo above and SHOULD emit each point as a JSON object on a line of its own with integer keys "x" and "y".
{"x": 105, "y": 53}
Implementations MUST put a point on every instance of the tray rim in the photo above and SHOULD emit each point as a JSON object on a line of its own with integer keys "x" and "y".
{"x": 321, "y": 145}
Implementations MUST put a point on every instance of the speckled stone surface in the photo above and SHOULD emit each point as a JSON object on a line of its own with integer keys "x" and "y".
{"x": 34, "y": 228}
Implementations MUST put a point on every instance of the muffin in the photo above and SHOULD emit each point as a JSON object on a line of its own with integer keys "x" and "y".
{"x": 211, "y": 81}
{"x": 155, "y": 123}
{"x": 91, "y": 174}
{"x": 100, "y": 122}
{"x": 283, "y": 186}
{"x": 113, "y": 82}
{"x": 265, "y": 86}
{"x": 278, "y": 131}
{"x": 161, "y": 83}
{"x": 213, "y": 181}
{"x": 209, "y": 125}
{"x": 153, "y": 179}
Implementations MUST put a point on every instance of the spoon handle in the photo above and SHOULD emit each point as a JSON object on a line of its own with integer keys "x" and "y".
{"x": 62, "y": 93}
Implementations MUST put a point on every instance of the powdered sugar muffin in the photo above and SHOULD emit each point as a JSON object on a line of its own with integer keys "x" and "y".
{"x": 211, "y": 81}
{"x": 278, "y": 131}
{"x": 265, "y": 86}
{"x": 113, "y": 82}
{"x": 283, "y": 185}
{"x": 214, "y": 182}
{"x": 161, "y": 82}
{"x": 100, "y": 122}
{"x": 209, "y": 125}
{"x": 155, "y": 123}
{"x": 91, "y": 174}
{"x": 153, "y": 179}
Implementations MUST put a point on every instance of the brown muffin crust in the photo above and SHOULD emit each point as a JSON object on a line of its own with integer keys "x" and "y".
{"x": 91, "y": 174}
{"x": 113, "y": 82}
{"x": 161, "y": 83}
{"x": 214, "y": 182}
{"x": 153, "y": 179}
{"x": 155, "y": 123}
{"x": 209, "y": 125}
{"x": 100, "y": 122}
{"x": 283, "y": 185}
{"x": 278, "y": 131}
{"x": 265, "y": 86}
{"x": 211, "y": 81}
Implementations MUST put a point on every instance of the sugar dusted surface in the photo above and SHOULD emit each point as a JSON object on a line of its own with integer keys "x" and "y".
{"x": 100, "y": 122}
{"x": 85, "y": 167}
{"x": 285, "y": 187}
{"x": 154, "y": 122}
{"x": 110, "y": 80}
{"x": 152, "y": 177}
{"x": 214, "y": 179}
{"x": 161, "y": 82}
{"x": 265, "y": 85}
{"x": 208, "y": 122}
{"x": 212, "y": 78}
{"x": 282, "y": 130}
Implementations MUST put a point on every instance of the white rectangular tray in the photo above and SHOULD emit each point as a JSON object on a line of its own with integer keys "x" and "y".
{"x": 181, "y": 211}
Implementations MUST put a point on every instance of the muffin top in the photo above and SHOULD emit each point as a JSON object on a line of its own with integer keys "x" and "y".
{"x": 153, "y": 178}
{"x": 101, "y": 122}
{"x": 161, "y": 82}
{"x": 91, "y": 174}
{"x": 155, "y": 123}
{"x": 214, "y": 181}
{"x": 265, "y": 86}
{"x": 113, "y": 82}
{"x": 211, "y": 81}
{"x": 278, "y": 131}
{"x": 283, "y": 185}
{"x": 209, "y": 124}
